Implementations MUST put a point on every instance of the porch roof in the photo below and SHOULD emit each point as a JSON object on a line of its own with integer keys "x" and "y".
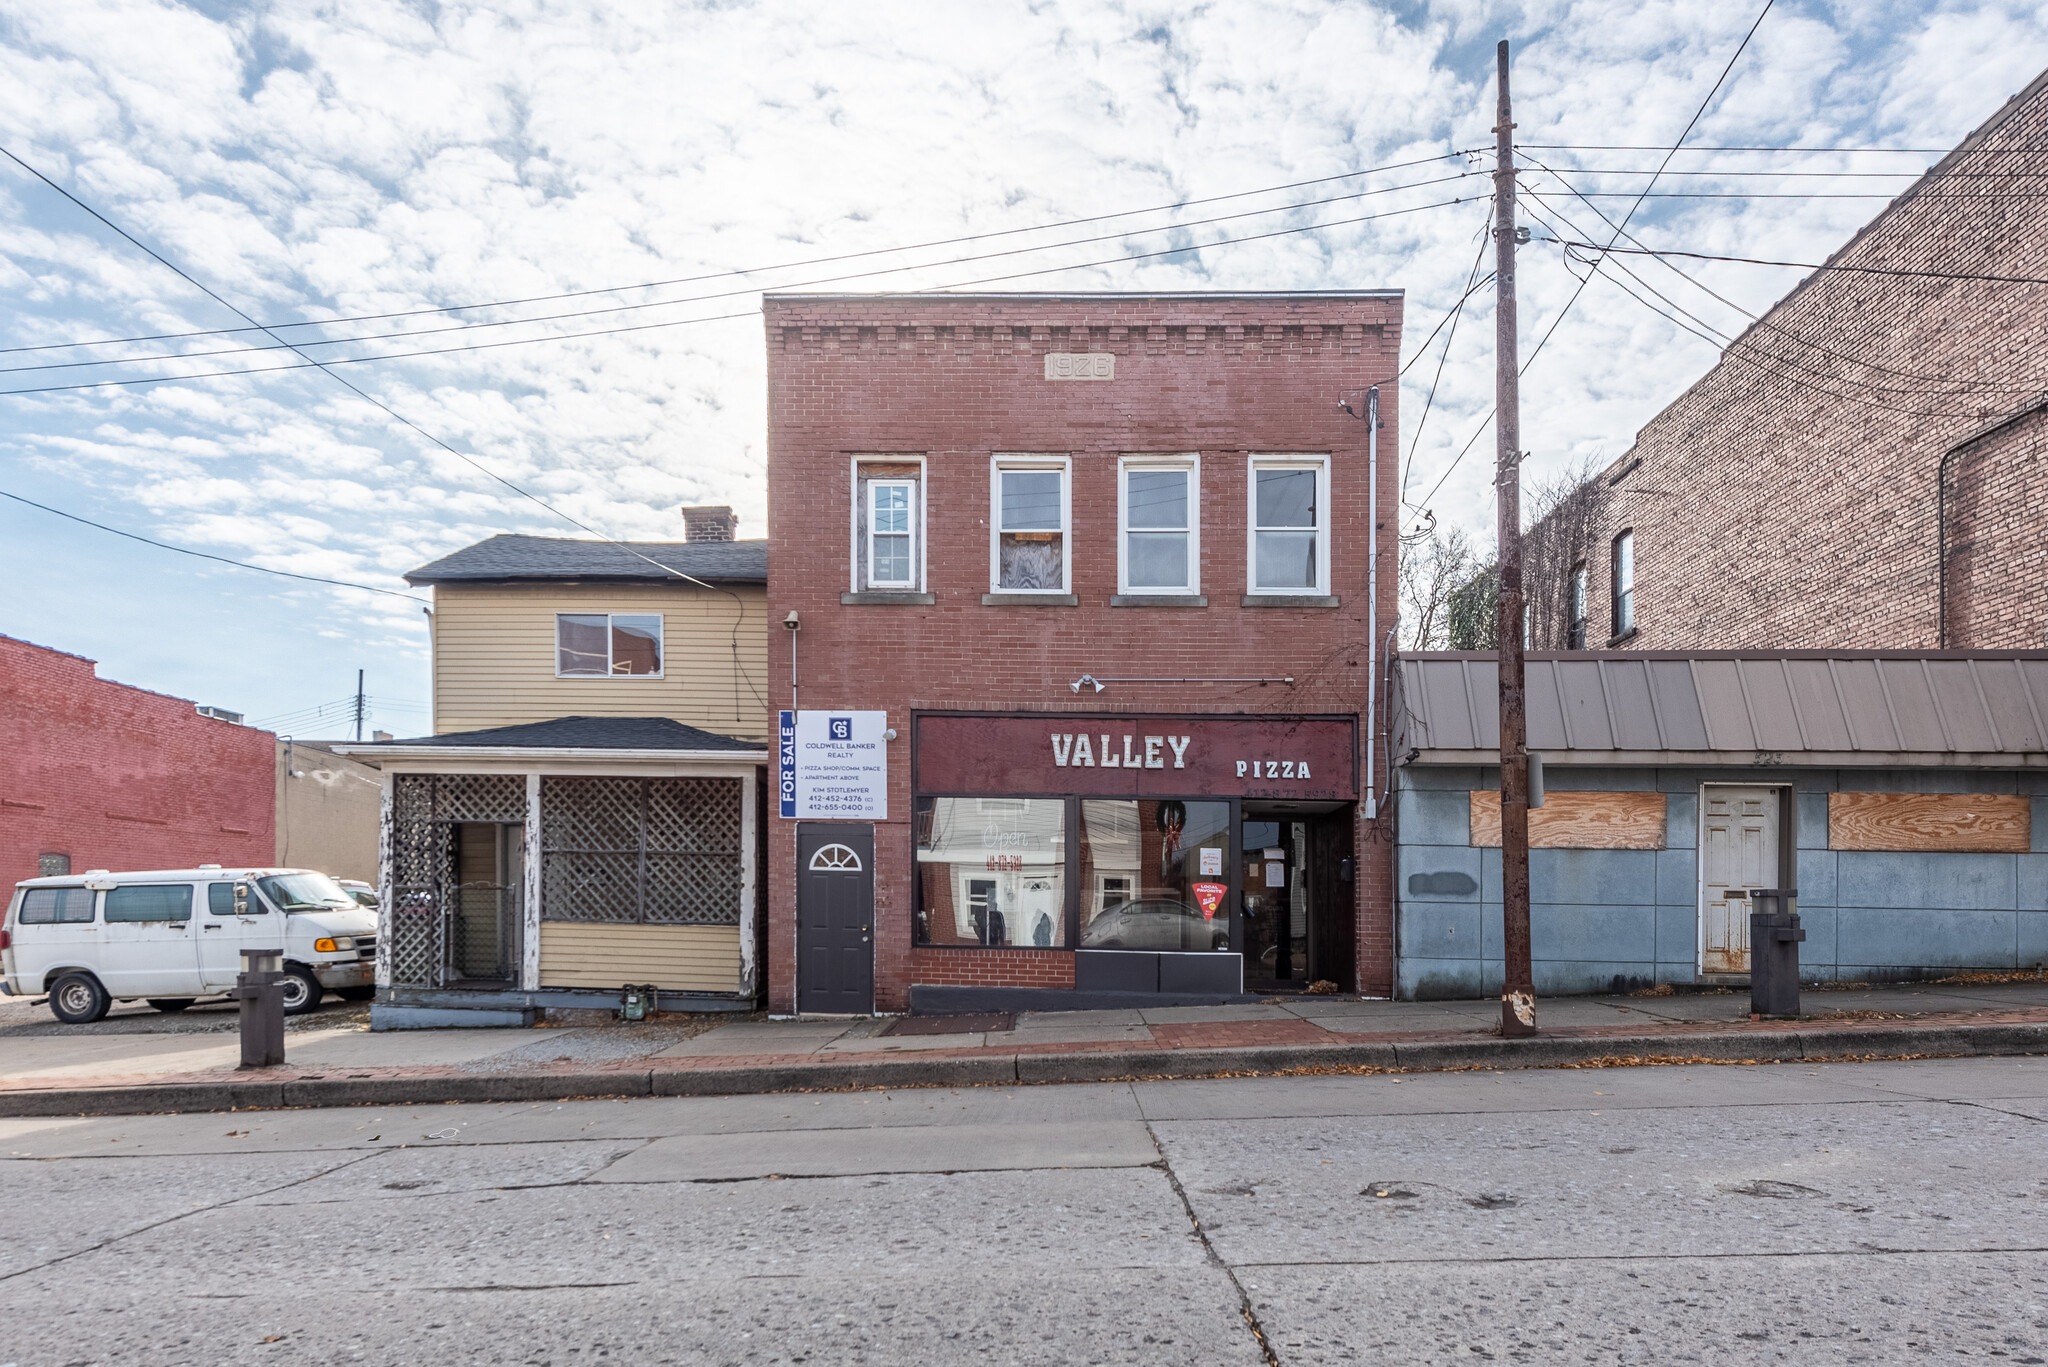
{"x": 1832, "y": 709}
{"x": 619, "y": 737}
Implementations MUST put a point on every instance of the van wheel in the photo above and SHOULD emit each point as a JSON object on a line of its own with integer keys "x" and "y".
{"x": 302, "y": 991}
{"x": 78, "y": 999}
{"x": 171, "y": 1003}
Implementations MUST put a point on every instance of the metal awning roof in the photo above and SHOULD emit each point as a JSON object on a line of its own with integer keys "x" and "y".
{"x": 1825, "y": 708}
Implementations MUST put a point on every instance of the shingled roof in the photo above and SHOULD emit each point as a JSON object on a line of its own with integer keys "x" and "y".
{"x": 514, "y": 557}
{"x": 575, "y": 733}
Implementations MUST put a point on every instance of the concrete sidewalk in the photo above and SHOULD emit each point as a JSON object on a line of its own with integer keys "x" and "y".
{"x": 145, "y": 1062}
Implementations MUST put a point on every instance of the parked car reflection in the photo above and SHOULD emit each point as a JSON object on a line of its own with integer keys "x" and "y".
{"x": 1157, "y": 923}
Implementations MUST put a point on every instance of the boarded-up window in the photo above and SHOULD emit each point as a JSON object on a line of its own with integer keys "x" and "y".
{"x": 661, "y": 851}
{"x": 1579, "y": 821}
{"x": 1961, "y": 823}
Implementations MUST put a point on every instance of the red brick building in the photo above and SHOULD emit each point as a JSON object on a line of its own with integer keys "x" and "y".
{"x": 1867, "y": 465}
{"x": 1102, "y": 564}
{"x": 95, "y": 774}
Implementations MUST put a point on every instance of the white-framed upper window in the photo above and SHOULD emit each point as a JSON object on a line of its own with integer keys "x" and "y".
{"x": 1159, "y": 525}
{"x": 1288, "y": 525}
{"x": 888, "y": 524}
{"x": 891, "y": 505}
{"x": 1029, "y": 516}
{"x": 597, "y": 645}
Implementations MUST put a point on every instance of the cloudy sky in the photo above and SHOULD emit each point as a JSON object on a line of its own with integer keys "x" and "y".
{"x": 665, "y": 162}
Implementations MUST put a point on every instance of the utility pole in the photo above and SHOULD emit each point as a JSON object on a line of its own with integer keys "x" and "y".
{"x": 1517, "y": 988}
{"x": 359, "y": 704}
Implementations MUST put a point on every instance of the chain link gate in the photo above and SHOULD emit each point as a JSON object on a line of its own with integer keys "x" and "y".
{"x": 425, "y": 809}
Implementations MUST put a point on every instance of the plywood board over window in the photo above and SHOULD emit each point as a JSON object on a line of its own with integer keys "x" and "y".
{"x": 1579, "y": 821}
{"x": 1957, "y": 823}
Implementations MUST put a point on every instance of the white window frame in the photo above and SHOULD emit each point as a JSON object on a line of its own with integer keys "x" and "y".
{"x": 1190, "y": 464}
{"x": 1321, "y": 465}
{"x": 608, "y": 614}
{"x": 859, "y": 528}
{"x": 997, "y": 465}
{"x": 909, "y": 532}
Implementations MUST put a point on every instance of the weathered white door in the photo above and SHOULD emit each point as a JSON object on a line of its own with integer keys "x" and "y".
{"x": 1739, "y": 852}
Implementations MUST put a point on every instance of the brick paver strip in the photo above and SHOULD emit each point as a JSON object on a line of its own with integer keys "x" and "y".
{"x": 1193, "y": 1049}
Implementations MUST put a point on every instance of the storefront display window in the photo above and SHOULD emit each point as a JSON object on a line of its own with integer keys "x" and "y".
{"x": 992, "y": 872}
{"x": 1155, "y": 874}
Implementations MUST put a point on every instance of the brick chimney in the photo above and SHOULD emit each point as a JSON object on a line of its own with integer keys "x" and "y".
{"x": 710, "y": 524}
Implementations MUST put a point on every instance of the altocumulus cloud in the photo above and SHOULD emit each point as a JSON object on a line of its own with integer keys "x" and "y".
{"x": 313, "y": 160}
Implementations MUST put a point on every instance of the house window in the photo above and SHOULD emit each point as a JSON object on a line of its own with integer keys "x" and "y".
{"x": 53, "y": 865}
{"x": 1625, "y": 583}
{"x": 1575, "y": 632}
{"x": 1028, "y": 531}
{"x": 888, "y": 536}
{"x": 1160, "y": 550}
{"x": 1290, "y": 551}
{"x": 592, "y": 645}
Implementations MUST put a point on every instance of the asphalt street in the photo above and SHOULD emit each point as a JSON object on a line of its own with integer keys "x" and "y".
{"x": 1879, "y": 1212}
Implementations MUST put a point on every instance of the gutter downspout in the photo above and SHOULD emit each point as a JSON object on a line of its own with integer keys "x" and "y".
{"x": 1372, "y": 594}
{"x": 1941, "y": 510}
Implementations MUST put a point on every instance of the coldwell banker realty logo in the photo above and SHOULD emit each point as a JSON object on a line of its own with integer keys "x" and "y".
{"x": 834, "y": 766}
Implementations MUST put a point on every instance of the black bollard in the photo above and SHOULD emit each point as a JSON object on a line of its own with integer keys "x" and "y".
{"x": 1774, "y": 937}
{"x": 260, "y": 990}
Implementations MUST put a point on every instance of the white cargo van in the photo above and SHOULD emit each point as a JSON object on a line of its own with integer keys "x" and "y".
{"x": 171, "y": 936}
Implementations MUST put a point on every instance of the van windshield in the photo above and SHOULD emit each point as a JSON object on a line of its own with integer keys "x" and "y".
{"x": 304, "y": 892}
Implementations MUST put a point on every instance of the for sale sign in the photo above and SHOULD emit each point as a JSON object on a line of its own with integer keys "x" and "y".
{"x": 835, "y": 766}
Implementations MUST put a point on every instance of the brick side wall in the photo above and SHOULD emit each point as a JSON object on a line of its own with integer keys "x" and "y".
{"x": 957, "y": 380}
{"x": 1788, "y": 499}
{"x": 1997, "y": 539}
{"x": 119, "y": 777}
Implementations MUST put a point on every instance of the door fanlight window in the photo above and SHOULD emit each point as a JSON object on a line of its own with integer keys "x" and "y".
{"x": 835, "y": 859}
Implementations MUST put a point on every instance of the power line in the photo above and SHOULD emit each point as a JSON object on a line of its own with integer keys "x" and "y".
{"x": 1471, "y": 285}
{"x": 764, "y": 270}
{"x": 1977, "y": 386}
{"x": 307, "y": 362}
{"x": 1734, "y": 348}
{"x": 1897, "y": 271}
{"x": 1696, "y": 147}
{"x": 204, "y": 555}
{"x": 396, "y": 415}
{"x": 1690, "y": 124}
{"x": 726, "y": 294}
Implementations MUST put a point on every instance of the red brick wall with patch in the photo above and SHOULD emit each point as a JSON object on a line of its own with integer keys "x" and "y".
{"x": 955, "y": 381}
{"x": 1790, "y": 497}
{"x": 122, "y": 778}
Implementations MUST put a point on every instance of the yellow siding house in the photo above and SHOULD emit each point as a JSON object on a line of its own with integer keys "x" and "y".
{"x": 585, "y": 821}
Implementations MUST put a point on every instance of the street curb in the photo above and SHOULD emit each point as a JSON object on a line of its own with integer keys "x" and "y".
{"x": 1947, "y": 1039}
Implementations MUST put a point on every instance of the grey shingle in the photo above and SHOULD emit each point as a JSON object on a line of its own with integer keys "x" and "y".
{"x": 591, "y": 733}
{"x": 512, "y": 556}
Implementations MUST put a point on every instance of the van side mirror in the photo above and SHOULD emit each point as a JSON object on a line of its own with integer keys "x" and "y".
{"x": 241, "y": 899}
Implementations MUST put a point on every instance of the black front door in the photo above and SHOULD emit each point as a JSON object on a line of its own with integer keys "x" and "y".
{"x": 835, "y": 919}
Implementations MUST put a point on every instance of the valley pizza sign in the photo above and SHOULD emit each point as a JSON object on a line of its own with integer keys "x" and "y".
{"x": 1097, "y": 755}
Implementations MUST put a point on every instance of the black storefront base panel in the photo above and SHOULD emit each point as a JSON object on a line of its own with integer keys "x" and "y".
{"x": 1137, "y": 970}
{"x": 1104, "y": 980}
{"x": 928, "y": 999}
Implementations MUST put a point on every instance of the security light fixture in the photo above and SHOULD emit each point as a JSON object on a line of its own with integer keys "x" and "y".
{"x": 791, "y": 621}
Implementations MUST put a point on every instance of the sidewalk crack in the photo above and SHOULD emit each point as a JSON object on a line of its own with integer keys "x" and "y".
{"x": 1244, "y": 1301}
{"x": 113, "y": 1239}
